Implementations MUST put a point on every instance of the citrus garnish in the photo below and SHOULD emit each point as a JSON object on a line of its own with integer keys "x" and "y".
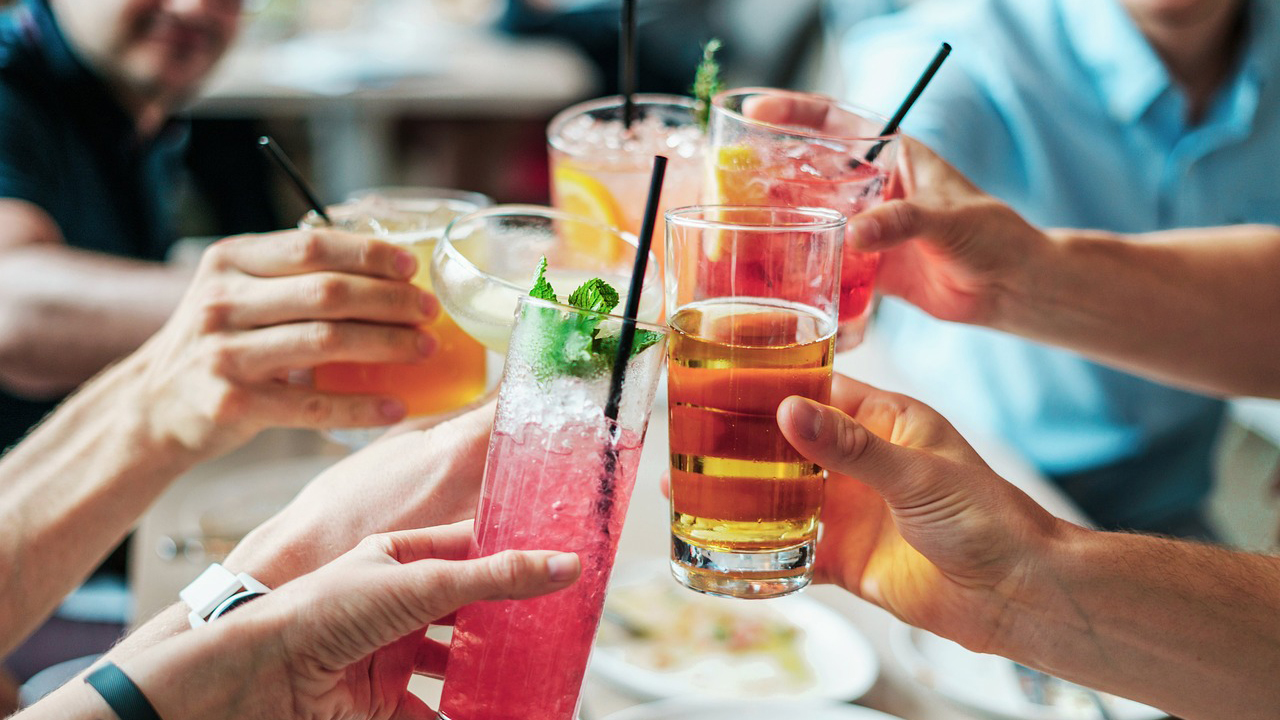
{"x": 577, "y": 193}
{"x": 737, "y": 178}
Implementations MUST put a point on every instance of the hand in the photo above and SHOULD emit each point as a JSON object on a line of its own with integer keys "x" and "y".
{"x": 949, "y": 249}
{"x": 343, "y": 641}
{"x": 263, "y": 306}
{"x": 926, "y": 530}
{"x": 415, "y": 479}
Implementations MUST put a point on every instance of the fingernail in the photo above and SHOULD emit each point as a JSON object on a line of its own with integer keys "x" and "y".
{"x": 405, "y": 263}
{"x": 392, "y": 410}
{"x": 864, "y": 231}
{"x": 426, "y": 344}
{"x": 430, "y": 305}
{"x": 562, "y": 567}
{"x": 807, "y": 417}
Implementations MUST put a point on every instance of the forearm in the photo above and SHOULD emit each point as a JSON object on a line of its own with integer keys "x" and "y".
{"x": 72, "y": 490}
{"x": 1191, "y": 629}
{"x": 1196, "y": 308}
{"x": 67, "y": 313}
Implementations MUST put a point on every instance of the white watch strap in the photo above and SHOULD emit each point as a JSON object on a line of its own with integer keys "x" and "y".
{"x": 214, "y": 587}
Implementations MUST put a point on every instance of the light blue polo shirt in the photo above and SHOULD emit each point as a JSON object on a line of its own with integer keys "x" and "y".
{"x": 1062, "y": 109}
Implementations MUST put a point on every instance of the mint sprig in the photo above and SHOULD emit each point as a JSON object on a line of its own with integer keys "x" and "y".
{"x": 707, "y": 82}
{"x": 573, "y": 344}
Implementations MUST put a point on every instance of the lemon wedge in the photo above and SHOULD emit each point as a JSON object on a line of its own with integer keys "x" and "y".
{"x": 737, "y": 178}
{"x": 577, "y": 193}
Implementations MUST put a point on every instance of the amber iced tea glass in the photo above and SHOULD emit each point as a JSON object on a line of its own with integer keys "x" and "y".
{"x": 752, "y": 298}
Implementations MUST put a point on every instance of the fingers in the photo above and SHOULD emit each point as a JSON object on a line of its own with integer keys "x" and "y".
{"x": 413, "y": 708}
{"x": 325, "y": 296}
{"x": 508, "y": 575}
{"x": 300, "y": 407}
{"x": 296, "y": 252}
{"x": 894, "y": 223}
{"x": 447, "y": 542}
{"x": 264, "y": 353}
{"x": 786, "y": 110}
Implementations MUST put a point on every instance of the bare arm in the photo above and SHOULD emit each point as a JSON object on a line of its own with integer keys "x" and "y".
{"x": 930, "y": 533}
{"x": 207, "y": 382}
{"x": 1194, "y": 307}
{"x": 67, "y": 313}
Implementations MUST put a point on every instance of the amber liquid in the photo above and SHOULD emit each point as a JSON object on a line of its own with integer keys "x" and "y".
{"x": 452, "y": 378}
{"x": 737, "y": 485}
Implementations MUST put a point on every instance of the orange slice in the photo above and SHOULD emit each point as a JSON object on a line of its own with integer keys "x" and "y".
{"x": 737, "y": 178}
{"x": 577, "y": 193}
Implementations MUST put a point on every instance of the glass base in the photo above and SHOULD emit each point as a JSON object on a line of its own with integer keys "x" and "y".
{"x": 748, "y": 575}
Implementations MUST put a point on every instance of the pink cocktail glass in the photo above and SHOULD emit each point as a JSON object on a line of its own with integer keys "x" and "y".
{"x": 558, "y": 477}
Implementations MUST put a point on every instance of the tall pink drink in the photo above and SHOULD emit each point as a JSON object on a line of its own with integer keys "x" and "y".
{"x": 782, "y": 148}
{"x": 558, "y": 477}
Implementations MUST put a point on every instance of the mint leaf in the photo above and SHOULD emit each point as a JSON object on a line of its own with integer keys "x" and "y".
{"x": 541, "y": 288}
{"x": 707, "y": 82}
{"x": 595, "y": 295}
{"x": 571, "y": 344}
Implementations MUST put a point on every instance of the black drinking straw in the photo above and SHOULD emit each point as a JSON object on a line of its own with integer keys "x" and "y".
{"x": 892, "y": 126}
{"x": 627, "y": 62}
{"x": 272, "y": 149}
{"x": 626, "y": 339}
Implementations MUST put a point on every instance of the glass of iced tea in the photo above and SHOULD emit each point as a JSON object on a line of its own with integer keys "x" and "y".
{"x": 752, "y": 300}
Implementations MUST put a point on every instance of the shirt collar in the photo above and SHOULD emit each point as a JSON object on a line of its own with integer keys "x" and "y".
{"x": 1123, "y": 64}
{"x": 1131, "y": 77}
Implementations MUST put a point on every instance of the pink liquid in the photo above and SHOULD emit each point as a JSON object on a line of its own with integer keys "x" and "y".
{"x": 526, "y": 659}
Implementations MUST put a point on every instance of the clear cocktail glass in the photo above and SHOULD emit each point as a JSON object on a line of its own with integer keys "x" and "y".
{"x": 455, "y": 375}
{"x": 777, "y": 147}
{"x": 600, "y": 169}
{"x": 485, "y": 263}
{"x": 752, "y": 297}
{"x": 559, "y": 476}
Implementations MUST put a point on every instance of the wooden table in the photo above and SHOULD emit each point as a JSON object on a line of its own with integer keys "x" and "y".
{"x": 644, "y": 538}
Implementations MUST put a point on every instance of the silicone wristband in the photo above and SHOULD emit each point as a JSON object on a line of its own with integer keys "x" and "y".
{"x": 124, "y": 697}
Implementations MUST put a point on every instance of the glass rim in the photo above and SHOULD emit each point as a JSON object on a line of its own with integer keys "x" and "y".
{"x": 418, "y": 193}
{"x": 527, "y": 299}
{"x": 717, "y": 104}
{"x": 445, "y": 243}
{"x": 586, "y": 106}
{"x": 821, "y": 218}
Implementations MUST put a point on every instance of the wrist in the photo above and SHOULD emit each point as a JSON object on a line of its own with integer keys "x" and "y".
{"x": 1042, "y": 612}
{"x": 219, "y": 672}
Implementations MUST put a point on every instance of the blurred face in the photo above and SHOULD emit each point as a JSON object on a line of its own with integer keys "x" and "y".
{"x": 1180, "y": 13}
{"x": 157, "y": 50}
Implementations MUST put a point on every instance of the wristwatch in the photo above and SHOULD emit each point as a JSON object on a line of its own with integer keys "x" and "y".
{"x": 218, "y": 591}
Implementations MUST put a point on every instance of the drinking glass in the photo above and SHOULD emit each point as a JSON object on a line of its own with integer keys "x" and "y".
{"x": 600, "y": 169}
{"x": 752, "y": 294}
{"x": 455, "y": 376}
{"x": 558, "y": 476}
{"x": 777, "y": 147}
{"x": 486, "y": 262}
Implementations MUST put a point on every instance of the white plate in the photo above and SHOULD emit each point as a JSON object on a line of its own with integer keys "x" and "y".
{"x": 988, "y": 684}
{"x": 843, "y": 664}
{"x": 704, "y": 709}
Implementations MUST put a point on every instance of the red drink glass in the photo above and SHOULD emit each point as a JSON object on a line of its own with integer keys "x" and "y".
{"x": 791, "y": 149}
{"x": 558, "y": 477}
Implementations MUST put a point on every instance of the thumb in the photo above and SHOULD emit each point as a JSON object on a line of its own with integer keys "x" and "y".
{"x": 893, "y": 223}
{"x": 838, "y": 443}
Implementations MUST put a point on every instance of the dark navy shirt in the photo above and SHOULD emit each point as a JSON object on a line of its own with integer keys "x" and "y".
{"x": 69, "y": 147}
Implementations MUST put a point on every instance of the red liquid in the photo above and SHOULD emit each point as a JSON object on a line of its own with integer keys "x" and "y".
{"x": 809, "y": 178}
{"x": 525, "y": 659}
